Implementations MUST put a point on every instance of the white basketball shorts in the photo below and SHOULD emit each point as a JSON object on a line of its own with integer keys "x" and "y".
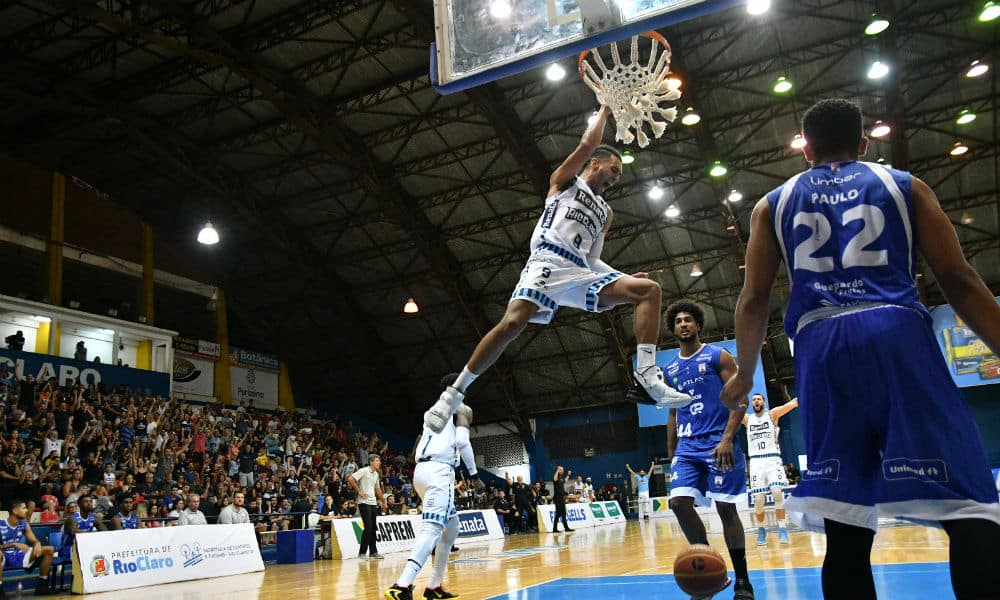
{"x": 434, "y": 482}
{"x": 550, "y": 280}
{"x": 766, "y": 472}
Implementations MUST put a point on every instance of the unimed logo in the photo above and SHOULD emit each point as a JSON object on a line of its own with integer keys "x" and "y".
{"x": 471, "y": 524}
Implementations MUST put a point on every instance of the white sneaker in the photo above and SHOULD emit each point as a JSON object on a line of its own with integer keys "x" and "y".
{"x": 438, "y": 416}
{"x": 651, "y": 379}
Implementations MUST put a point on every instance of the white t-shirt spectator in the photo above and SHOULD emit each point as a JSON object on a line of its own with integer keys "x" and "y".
{"x": 367, "y": 480}
{"x": 231, "y": 515}
{"x": 51, "y": 445}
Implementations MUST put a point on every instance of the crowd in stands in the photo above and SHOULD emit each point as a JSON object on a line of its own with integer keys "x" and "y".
{"x": 160, "y": 456}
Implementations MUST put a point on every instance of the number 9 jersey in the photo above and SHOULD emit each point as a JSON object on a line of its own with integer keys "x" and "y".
{"x": 846, "y": 235}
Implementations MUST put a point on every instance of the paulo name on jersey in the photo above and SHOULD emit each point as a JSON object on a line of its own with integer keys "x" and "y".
{"x": 572, "y": 220}
{"x": 762, "y": 435}
{"x": 698, "y": 376}
{"x": 846, "y": 236}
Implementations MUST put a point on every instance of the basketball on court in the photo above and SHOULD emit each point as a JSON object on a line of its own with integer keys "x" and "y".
{"x": 700, "y": 570}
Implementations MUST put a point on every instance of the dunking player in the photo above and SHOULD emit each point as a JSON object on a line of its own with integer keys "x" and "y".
{"x": 886, "y": 430}
{"x": 437, "y": 457}
{"x": 642, "y": 489}
{"x": 565, "y": 268}
{"x": 767, "y": 472}
{"x": 706, "y": 463}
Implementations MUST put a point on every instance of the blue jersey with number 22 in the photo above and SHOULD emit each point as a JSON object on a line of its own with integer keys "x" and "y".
{"x": 845, "y": 231}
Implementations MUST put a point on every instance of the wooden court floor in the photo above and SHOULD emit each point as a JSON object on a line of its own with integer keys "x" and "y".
{"x": 580, "y": 561}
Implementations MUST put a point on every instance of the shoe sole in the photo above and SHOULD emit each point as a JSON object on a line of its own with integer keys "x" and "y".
{"x": 638, "y": 395}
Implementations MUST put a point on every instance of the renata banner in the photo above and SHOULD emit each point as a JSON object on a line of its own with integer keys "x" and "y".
{"x": 254, "y": 360}
{"x": 398, "y": 533}
{"x": 115, "y": 560}
{"x": 200, "y": 348}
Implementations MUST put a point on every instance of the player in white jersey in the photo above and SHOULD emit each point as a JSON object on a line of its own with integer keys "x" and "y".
{"x": 766, "y": 469}
{"x": 437, "y": 456}
{"x": 565, "y": 268}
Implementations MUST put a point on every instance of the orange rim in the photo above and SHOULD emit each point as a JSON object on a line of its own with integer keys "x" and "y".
{"x": 650, "y": 34}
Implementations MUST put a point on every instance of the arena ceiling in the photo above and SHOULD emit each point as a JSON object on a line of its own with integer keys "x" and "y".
{"x": 343, "y": 184}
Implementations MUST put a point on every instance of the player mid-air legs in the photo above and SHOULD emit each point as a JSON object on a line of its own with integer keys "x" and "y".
{"x": 767, "y": 472}
{"x": 565, "y": 268}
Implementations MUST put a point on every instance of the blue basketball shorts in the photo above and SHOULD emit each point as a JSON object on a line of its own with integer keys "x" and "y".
{"x": 16, "y": 559}
{"x": 887, "y": 432}
{"x": 693, "y": 473}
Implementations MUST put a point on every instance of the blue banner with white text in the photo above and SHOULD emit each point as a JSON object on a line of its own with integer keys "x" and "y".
{"x": 68, "y": 372}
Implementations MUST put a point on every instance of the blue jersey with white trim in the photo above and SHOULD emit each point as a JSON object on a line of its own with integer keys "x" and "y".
{"x": 10, "y": 534}
{"x": 698, "y": 376}
{"x": 845, "y": 231}
{"x": 572, "y": 221}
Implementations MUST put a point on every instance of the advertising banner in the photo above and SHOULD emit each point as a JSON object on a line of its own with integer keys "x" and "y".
{"x": 970, "y": 362}
{"x": 606, "y": 512}
{"x": 242, "y": 357}
{"x": 193, "y": 375}
{"x": 661, "y": 507}
{"x": 578, "y": 515}
{"x": 254, "y": 385}
{"x": 199, "y": 348}
{"x": 650, "y": 416}
{"x": 68, "y": 371}
{"x": 398, "y": 533}
{"x": 115, "y": 560}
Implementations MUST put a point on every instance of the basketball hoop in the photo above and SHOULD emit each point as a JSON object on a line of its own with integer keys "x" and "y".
{"x": 633, "y": 91}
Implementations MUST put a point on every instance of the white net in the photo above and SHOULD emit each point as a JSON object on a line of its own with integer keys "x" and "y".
{"x": 636, "y": 93}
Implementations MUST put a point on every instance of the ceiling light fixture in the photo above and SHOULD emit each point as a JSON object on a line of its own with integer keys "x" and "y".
{"x": 690, "y": 117}
{"x": 782, "y": 85}
{"x": 758, "y": 7}
{"x": 965, "y": 117}
{"x": 877, "y": 25}
{"x": 734, "y": 196}
{"x": 627, "y": 158}
{"x": 798, "y": 142}
{"x": 967, "y": 219}
{"x": 991, "y": 10}
{"x": 208, "y": 235}
{"x": 411, "y": 307}
{"x": 555, "y": 72}
{"x": 718, "y": 169}
{"x": 878, "y": 70}
{"x": 880, "y": 129}
{"x": 696, "y": 270}
{"x": 672, "y": 211}
{"x": 655, "y": 192}
{"x": 959, "y": 149}
{"x": 977, "y": 69}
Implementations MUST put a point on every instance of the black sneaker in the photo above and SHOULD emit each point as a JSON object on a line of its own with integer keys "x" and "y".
{"x": 438, "y": 593}
{"x": 638, "y": 395}
{"x": 399, "y": 593}
{"x": 743, "y": 590}
{"x": 454, "y": 549}
{"x": 375, "y": 556}
{"x": 42, "y": 589}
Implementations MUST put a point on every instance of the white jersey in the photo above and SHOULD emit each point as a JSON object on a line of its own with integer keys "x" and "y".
{"x": 573, "y": 221}
{"x": 438, "y": 447}
{"x": 762, "y": 435}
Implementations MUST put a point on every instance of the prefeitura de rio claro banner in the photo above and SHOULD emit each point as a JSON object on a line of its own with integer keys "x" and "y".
{"x": 398, "y": 533}
{"x": 115, "y": 560}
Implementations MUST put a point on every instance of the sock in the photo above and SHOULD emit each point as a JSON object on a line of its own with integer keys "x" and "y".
{"x": 443, "y": 549}
{"x": 465, "y": 379}
{"x": 739, "y": 556}
{"x": 429, "y": 535}
{"x": 847, "y": 567}
{"x": 646, "y": 357}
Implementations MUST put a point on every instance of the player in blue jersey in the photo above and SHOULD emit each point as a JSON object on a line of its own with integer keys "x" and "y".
{"x": 126, "y": 517}
{"x": 565, "y": 269}
{"x": 887, "y": 432}
{"x": 707, "y": 464}
{"x": 21, "y": 549}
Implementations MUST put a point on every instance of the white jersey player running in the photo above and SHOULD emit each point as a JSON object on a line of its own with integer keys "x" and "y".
{"x": 565, "y": 269}
{"x": 767, "y": 473}
{"x": 437, "y": 456}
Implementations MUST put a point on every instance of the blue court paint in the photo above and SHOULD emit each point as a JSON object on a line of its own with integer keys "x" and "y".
{"x": 912, "y": 580}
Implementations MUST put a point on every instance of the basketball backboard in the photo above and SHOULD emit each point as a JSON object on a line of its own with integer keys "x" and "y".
{"x": 484, "y": 40}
